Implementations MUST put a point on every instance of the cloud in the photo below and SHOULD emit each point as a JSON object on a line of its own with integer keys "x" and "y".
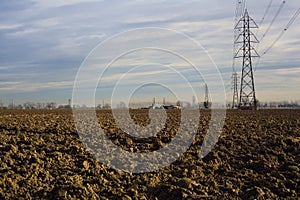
{"x": 44, "y": 42}
{"x": 288, "y": 71}
{"x": 49, "y": 22}
{"x": 25, "y": 32}
{"x": 9, "y": 26}
{"x": 57, "y": 3}
{"x": 29, "y": 87}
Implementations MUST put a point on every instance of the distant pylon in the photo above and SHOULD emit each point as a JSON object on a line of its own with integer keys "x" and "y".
{"x": 193, "y": 101}
{"x": 153, "y": 101}
{"x": 235, "y": 98}
{"x": 247, "y": 52}
{"x": 206, "y": 103}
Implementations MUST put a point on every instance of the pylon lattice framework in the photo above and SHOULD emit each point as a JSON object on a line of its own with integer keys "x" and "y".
{"x": 235, "y": 98}
{"x": 206, "y": 102}
{"x": 247, "y": 52}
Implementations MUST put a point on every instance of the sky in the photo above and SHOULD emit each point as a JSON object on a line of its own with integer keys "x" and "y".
{"x": 45, "y": 43}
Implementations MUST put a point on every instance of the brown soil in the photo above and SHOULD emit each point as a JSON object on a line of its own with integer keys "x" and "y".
{"x": 257, "y": 156}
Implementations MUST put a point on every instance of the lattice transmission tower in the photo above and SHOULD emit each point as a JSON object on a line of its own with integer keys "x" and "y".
{"x": 240, "y": 7}
{"x": 247, "y": 52}
{"x": 235, "y": 98}
{"x": 206, "y": 102}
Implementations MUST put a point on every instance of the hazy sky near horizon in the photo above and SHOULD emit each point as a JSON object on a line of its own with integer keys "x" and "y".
{"x": 43, "y": 43}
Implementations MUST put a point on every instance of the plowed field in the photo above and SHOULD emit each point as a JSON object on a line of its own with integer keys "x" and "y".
{"x": 257, "y": 156}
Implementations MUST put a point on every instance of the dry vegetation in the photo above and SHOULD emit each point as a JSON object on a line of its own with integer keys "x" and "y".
{"x": 257, "y": 156}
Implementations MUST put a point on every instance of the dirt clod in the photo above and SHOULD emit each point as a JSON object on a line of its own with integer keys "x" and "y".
{"x": 256, "y": 157}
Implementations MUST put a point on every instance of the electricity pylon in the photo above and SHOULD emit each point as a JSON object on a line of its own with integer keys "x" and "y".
{"x": 206, "y": 102}
{"x": 247, "y": 52}
{"x": 235, "y": 98}
{"x": 240, "y": 7}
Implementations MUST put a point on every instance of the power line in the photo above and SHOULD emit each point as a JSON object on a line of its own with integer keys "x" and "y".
{"x": 266, "y": 12}
{"x": 269, "y": 27}
{"x": 263, "y": 18}
{"x": 273, "y": 20}
{"x": 261, "y": 22}
{"x": 239, "y": 12}
{"x": 240, "y": 6}
{"x": 239, "y": 9}
{"x": 294, "y": 17}
{"x": 244, "y": 6}
{"x": 283, "y": 31}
